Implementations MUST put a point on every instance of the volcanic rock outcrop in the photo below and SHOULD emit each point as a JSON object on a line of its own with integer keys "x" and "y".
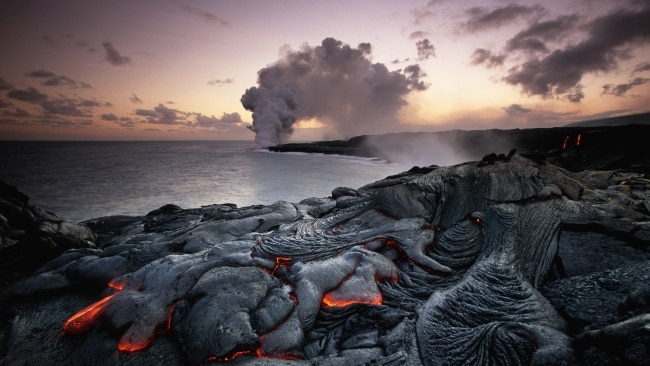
{"x": 515, "y": 262}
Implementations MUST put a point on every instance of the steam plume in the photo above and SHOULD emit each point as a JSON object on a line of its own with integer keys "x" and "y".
{"x": 334, "y": 83}
{"x": 273, "y": 113}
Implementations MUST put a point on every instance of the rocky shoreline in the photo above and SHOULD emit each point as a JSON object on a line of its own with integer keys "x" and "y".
{"x": 540, "y": 256}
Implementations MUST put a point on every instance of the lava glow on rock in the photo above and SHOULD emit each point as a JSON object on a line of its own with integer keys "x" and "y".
{"x": 88, "y": 317}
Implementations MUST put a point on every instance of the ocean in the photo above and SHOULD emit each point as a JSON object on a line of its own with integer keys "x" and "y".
{"x": 84, "y": 180}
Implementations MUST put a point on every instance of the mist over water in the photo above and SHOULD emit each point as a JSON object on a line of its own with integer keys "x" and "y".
{"x": 84, "y": 180}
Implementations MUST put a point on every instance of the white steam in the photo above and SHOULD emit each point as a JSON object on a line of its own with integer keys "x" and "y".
{"x": 273, "y": 113}
{"x": 334, "y": 83}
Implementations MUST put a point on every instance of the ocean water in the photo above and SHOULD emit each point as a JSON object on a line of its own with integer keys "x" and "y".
{"x": 84, "y": 180}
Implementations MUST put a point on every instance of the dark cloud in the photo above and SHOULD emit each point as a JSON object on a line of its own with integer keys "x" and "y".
{"x": 49, "y": 40}
{"x": 134, "y": 99}
{"x": 516, "y": 110}
{"x": 227, "y": 119}
{"x": 333, "y": 82}
{"x": 610, "y": 38}
{"x": 29, "y": 95}
{"x": 63, "y": 123}
{"x": 413, "y": 75}
{"x": 16, "y": 113}
{"x": 61, "y": 106}
{"x": 220, "y": 82}
{"x": 125, "y": 122}
{"x": 52, "y": 79}
{"x": 4, "y": 104}
{"x": 485, "y": 57}
{"x": 109, "y": 117}
{"x": 418, "y": 35}
{"x": 534, "y": 37}
{"x": 425, "y": 49}
{"x": 642, "y": 67}
{"x": 5, "y": 85}
{"x": 85, "y": 46}
{"x": 620, "y": 89}
{"x": 575, "y": 94}
{"x": 113, "y": 56}
{"x": 398, "y": 61}
{"x": 204, "y": 15}
{"x": 163, "y": 115}
{"x": 421, "y": 14}
{"x": 21, "y": 113}
{"x": 481, "y": 18}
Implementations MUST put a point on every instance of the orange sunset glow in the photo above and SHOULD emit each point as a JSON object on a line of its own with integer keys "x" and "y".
{"x": 177, "y": 70}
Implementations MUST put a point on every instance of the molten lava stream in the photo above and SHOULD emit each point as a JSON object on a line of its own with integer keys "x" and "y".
{"x": 127, "y": 345}
{"x": 330, "y": 299}
{"x": 261, "y": 354}
{"x": 117, "y": 284}
{"x": 88, "y": 317}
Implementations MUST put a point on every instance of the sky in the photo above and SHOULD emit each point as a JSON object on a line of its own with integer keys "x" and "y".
{"x": 302, "y": 70}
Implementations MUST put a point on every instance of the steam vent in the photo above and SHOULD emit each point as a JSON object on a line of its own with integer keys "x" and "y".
{"x": 512, "y": 260}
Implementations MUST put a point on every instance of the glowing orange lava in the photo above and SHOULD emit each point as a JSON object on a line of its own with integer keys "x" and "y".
{"x": 125, "y": 345}
{"x": 87, "y": 318}
{"x": 261, "y": 354}
{"x": 564, "y": 144}
{"x": 230, "y": 358}
{"x": 280, "y": 262}
{"x": 170, "y": 311}
{"x": 578, "y": 140}
{"x": 117, "y": 283}
{"x": 330, "y": 300}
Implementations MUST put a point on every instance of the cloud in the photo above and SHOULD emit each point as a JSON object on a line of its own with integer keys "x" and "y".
{"x": 163, "y": 115}
{"x": 49, "y": 40}
{"x": 418, "y": 35}
{"x": 85, "y": 46}
{"x": 109, "y": 117}
{"x": 620, "y": 89}
{"x": 134, "y": 99}
{"x": 534, "y": 37}
{"x": 220, "y": 82}
{"x": 29, "y": 95}
{"x": 420, "y": 15}
{"x": 52, "y": 79}
{"x": 227, "y": 119}
{"x": 17, "y": 113}
{"x": 481, "y": 18}
{"x": 62, "y": 106}
{"x": 642, "y": 67}
{"x": 4, "y": 85}
{"x": 334, "y": 83}
{"x": 610, "y": 38}
{"x": 4, "y": 104}
{"x": 125, "y": 122}
{"x": 113, "y": 56}
{"x": 485, "y": 57}
{"x": 425, "y": 49}
{"x": 204, "y": 15}
{"x": 516, "y": 110}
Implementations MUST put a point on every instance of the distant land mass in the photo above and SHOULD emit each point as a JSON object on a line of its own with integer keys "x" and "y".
{"x": 595, "y": 144}
{"x": 639, "y": 119}
{"x": 620, "y": 142}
